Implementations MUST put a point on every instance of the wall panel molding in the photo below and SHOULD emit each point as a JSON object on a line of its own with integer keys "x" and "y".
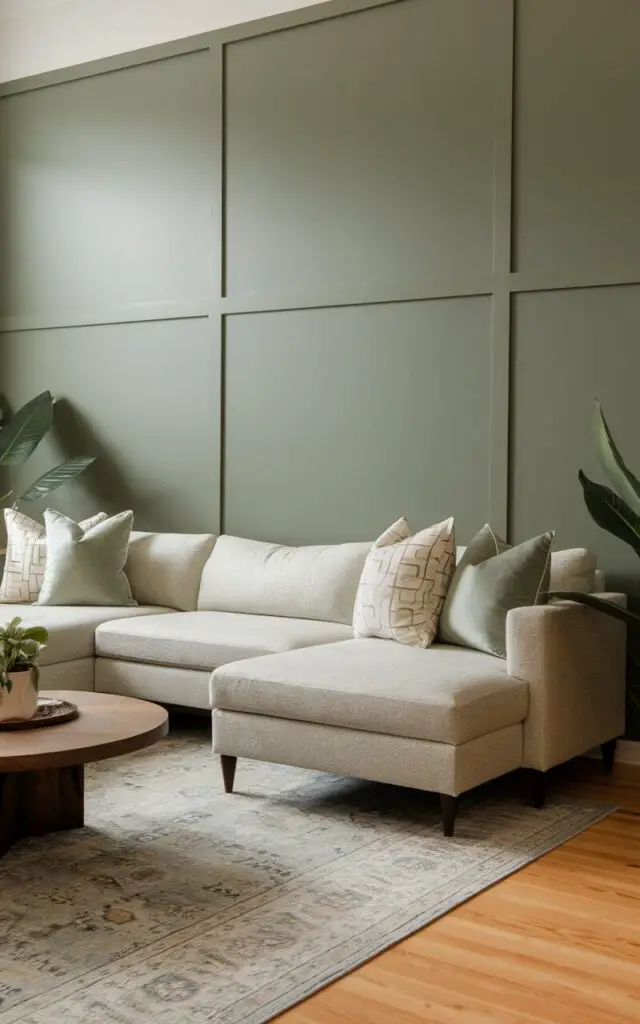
{"x": 124, "y": 393}
{"x": 567, "y": 278}
{"x": 339, "y": 419}
{"x": 516, "y": 41}
{"x": 363, "y": 296}
{"x": 214, "y": 305}
{"x": 107, "y": 206}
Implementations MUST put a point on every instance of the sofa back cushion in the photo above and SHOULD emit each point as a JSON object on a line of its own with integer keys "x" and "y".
{"x": 571, "y": 569}
{"x": 252, "y": 577}
{"x": 165, "y": 568}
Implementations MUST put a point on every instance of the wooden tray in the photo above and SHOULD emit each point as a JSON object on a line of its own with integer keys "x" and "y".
{"x": 50, "y": 712}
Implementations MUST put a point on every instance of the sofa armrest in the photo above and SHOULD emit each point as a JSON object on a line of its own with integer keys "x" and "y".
{"x": 574, "y": 660}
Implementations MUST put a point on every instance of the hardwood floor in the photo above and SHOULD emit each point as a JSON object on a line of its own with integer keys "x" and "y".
{"x": 557, "y": 943}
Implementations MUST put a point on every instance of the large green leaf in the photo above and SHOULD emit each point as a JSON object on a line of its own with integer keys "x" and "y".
{"x": 24, "y": 431}
{"x": 57, "y": 477}
{"x": 37, "y": 633}
{"x": 623, "y": 480}
{"x": 611, "y": 512}
{"x": 616, "y": 611}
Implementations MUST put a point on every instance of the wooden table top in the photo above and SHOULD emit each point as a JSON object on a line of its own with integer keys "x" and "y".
{"x": 108, "y": 725}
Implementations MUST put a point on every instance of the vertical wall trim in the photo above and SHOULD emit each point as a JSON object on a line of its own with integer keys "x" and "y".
{"x": 223, "y": 388}
{"x": 218, "y": 128}
{"x": 218, "y": 184}
{"x": 501, "y": 305}
{"x": 221, "y": 101}
{"x": 500, "y": 384}
{"x": 502, "y": 168}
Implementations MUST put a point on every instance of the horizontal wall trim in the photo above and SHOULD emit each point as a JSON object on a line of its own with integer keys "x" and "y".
{"x": 107, "y": 65}
{"x": 278, "y": 302}
{"x": 452, "y": 287}
{"x": 563, "y": 279}
{"x": 137, "y": 312}
{"x": 364, "y": 296}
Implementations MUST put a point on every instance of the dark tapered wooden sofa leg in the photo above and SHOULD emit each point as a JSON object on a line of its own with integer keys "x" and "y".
{"x": 537, "y": 788}
{"x": 448, "y": 806}
{"x": 608, "y": 750}
{"x": 228, "y": 764}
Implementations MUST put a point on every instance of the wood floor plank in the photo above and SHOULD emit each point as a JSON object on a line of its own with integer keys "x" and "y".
{"x": 557, "y": 943}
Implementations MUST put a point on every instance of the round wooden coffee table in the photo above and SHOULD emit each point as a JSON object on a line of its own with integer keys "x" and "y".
{"x": 42, "y": 770}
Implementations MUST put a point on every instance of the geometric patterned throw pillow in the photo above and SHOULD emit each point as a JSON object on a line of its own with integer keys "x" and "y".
{"x": 404, "y": 583}
{"x": 26, "y": 556}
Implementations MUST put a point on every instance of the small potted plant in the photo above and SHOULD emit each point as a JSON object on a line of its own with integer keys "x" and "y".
{"x": 19, "y": 652}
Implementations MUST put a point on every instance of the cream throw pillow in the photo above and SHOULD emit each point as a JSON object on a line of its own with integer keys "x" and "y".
{"x": 26, "y": 556}
{"x": 404, "y": 583}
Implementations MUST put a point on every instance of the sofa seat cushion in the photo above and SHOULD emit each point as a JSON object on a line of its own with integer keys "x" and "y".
{"x": 445, "y": 694}
{"x": 205, "y": 640}
{"x": 71, "y": 629}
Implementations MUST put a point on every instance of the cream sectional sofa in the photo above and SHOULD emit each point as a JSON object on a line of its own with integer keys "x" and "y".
{"x": 262, "y": 635}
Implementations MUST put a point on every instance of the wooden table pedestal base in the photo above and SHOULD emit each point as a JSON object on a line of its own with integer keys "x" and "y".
{"x": 37, "y": 802}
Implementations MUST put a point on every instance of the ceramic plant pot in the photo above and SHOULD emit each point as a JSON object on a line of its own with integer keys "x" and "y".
{"x": 22, "y": 702}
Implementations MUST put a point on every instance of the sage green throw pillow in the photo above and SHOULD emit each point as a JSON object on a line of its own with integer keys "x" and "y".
{"x": 491, "y": 579}
{"x": 85, "y": 567}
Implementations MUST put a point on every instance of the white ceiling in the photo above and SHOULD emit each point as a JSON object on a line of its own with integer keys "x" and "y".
{"x": 41, "y": 35}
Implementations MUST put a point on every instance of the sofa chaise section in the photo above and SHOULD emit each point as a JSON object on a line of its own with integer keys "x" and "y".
{"x": 448, "y": 695}
{"x": 444, "y": 719}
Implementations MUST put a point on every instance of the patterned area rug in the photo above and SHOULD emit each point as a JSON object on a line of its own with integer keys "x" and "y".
{"x": 179, "y": 903}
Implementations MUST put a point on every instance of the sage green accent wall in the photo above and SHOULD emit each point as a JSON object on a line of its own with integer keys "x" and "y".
{"x": 338, "y": 420}
{"x": 360, "y": 151}
{"x": 568, "y": 347}
{"x": 302, "y": 276}
{"x": 577, "y": 156}
{"x": 144, "y": 397}
{"x": 108, "y": 195}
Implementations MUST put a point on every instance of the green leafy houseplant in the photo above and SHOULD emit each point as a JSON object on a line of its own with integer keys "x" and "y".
{"x": 19, "y": 438}
{"x": 19, "y": 652}
{"x": 617, "y": 510}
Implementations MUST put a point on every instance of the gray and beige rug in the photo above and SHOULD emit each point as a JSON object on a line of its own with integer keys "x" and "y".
{"x": 179, "y": 903}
